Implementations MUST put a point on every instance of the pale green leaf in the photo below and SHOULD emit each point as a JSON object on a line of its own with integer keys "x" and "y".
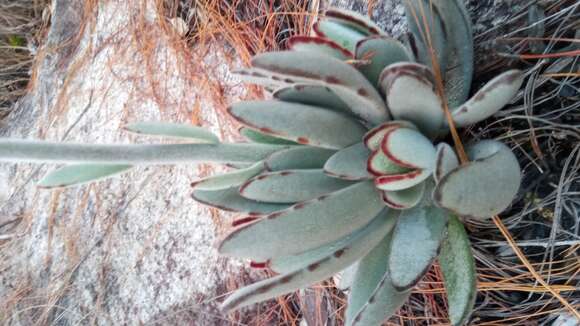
{"x": 349, "y": 163}
{"x": 77, "y": 174}
{"x": 230, "y": 200}
{"x": 318, "y": 45}
{"x": 173, "y": 130}
{"x": 229, "y": 179}
{"x": 379, "y": 51}
{"x": 303, "y": 157}
{"x": 262, "y": 138}
{"x": 314, "y": 95}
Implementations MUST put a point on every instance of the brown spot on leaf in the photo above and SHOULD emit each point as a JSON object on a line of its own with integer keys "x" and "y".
{"x": 362, "y": 92}
{"x": 332, "y": 80}
{"x": 286, "y": 279}
{"x": 303, "y": 140}
{"x": 273, "y": 215}
{"x": 312, "y": 267}
{"x": 254, "y": 264}
{"x": 338, "y": 253}
{"x": 244, "y": 220}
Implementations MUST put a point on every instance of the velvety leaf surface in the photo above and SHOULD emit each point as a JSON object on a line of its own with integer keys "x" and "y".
{"x": 369, "y": 273}
{"x": 312, "y": 95}
{"x": 301, "y": 123}
{"x": 77, "y": 174}
{"x": 345, "y": 81}
{"x": 406, "y": 198}
{"x": 230, "y": 200}
{"x": 416, "y": 241}
{"x": 380, "y": 51}
{"x": 485, "y": 186}
{"x": 306, "y": 225}
{"x": 394, "y": 182}
{"x": 489, "y": 99}
{"x": 173, "y": 130}
{"x": 424, "y": 18}
{"x": 458, "y": 267}
{"x": 379, "y": 164}
{"x": 411, "y": 96}
{"x": 228, "y": 180}
{"x": 44, "y": 151}
{"x": 286, "y": 264}
{"x": 302, "y": 157}
{"x": 409, "y": 148}
{"x": 446, "y": 160}
{"x": 343, "y": 35}
{"x": 318, "y": 45}
{"x": 262, "y": 138}
{"x": 374, "y": 137}
{"x": 349, "y": 163}
{"x": 291, "y": 186}
{"x": 354, "y": 20}
{"x": 459, "y": 73}
{"x": 365, "y": 240}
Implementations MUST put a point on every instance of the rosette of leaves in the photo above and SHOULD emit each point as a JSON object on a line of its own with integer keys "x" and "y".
{"x": 342, "y": 169}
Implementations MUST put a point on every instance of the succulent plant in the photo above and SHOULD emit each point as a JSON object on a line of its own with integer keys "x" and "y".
{"x": 343, "y": 168}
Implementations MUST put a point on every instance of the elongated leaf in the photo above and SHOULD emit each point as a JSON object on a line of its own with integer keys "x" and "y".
{"x": 484, "y": 187}
{"x": 383, "y": 302}
{"x": 291, "y": 186}
{"x": 365, "y": 240}
{"x": 77, "y": 174}
{"x": 380, "y": 51}
{"x": 457, "y": 25}
{"x": 489, "y": 99}
{"x": 13, "y": 150}
{"x": 445, "y": 162}
{"x": 349, "y": 163}
{"x": 286, "y": 264}
{"x": 262, "y": 138}
{"x": 379, "y": 164}
{"x": 290, "y": 67}
{"x": 301, "y": 123}
{"x": 298, "y": 158}
{"x": 409, "y": 148}
{"x": 306, "y": 225}
{"x": 173, "y": 130}
{"x": 424, "y": 18}
{"x": 374, "y": 137}
{"x": 319, "y": 45}
{"x": 312, "y": 95}
{"x": 423, "y": 108}
{"x": 353, "y": 20}
{"x": 406, "y": 198}
{"x": 344, "y": 36}
{"x": 228, "y": 180}
{"x": 416, "y": 241}
{"x": 369, "y": 273}
{"x": 230, "y": 200}
{"x": 458, "y": 267}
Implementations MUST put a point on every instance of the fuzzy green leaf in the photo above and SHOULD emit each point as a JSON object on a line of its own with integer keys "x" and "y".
{"x": 423, "y": 108}
{"x": 380, "y": 51}
{"x": 290, "y": 67}
{"x": 422, "y": 17}
{"x": 489, "y": 99}
{"x": 446, "y": 160}
{"x": 13, "y": 150}
{"x": 318, "y": 45}
{"x": 459, "y": 73}
{"x": 416, "y": 241}
{"x": 228, "y": 180}
{"x": 301, "y": 123}
{"x": 409, "y": 148}
{"x": 344, "y": 36}
{"x": 306, "y": 225}
{"x": 374, "y": 137}
{"x": 286, "y": 264}
{"x": 72, "y": 175}
{"x": 262, "y": 138}
{"x": 353, "y": 20}
{"x": 406, "y": 198}
{"x": 298, "y": 158}
{"x": 363, "y": 242}
{"x": 349, "y": 163}
{"x": 173, "y": 130}
{"x": 312, "y": 95}
{"x": 369, "y": 273}
{"x": 458, "y": 267}
{"x": 395, "y": 182}
{"x": 230, "y": 200}
{"x": 485, "y": 186}
{"x": 290, "y": 186}
{"x": 379, "y": 164}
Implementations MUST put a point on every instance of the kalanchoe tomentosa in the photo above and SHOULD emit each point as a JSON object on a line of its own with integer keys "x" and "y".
{"x": 341, "y": 170}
